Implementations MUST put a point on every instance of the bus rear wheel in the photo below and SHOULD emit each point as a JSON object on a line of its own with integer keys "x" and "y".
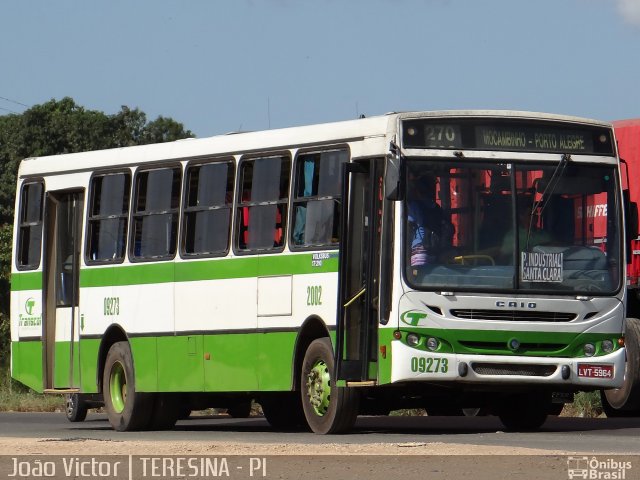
{"x": 240, "y": 410}
{"x": 283, "y": 411}
{"x": 327, "y": 408}
{"x": 75, "y": 407}
{"x": 524, "y": 412}
{"x": 166, "y": 411}
{"x": 127, "y": 409}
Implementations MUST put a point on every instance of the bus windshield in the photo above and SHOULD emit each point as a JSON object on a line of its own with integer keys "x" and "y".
{"x": 538, "y": 227}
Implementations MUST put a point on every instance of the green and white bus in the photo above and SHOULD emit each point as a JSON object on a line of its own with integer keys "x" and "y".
{"x": 302, "y": 268}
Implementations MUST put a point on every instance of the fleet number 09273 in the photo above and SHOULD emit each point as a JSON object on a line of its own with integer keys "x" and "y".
{"x": 429, "y": 365}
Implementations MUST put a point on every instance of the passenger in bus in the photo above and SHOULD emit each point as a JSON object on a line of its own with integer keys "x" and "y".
{"x": 429, "y": 232}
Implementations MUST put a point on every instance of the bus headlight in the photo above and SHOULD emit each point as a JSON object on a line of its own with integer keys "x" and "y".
{"x": 607, "y": 346}
{"x": 433, "y": 344}
{"x": 413, "y": 339}
{"x": 589, "y": 349}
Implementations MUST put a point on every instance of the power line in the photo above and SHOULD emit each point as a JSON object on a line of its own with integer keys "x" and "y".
{"x": 14, "y": 101}
{"x": 10, "y": 111}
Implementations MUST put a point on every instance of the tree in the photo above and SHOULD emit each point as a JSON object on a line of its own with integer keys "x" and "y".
{"x": 55, "y": 127}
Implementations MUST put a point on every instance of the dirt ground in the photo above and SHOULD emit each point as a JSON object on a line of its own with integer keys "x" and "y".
{"x": 406, "y": 461}
{"x": 81, "y": 446}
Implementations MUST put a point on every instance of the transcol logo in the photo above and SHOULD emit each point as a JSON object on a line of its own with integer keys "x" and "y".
{"x": 29, "y": 320}
{"x": 412, "y": 317}
{"x": 29, "y": 304}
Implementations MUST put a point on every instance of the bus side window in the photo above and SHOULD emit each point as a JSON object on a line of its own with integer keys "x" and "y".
{"x": 316, "y": 201}
{"x": 108, "y": 217}
{"x": 155, "y": 213}
{"x": 30, "y": 226}
{"x": 262, "y": 207}
{"x": 207, "y": 210}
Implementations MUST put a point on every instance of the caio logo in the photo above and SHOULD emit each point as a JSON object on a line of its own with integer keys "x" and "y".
{"x": 28, "y": 305}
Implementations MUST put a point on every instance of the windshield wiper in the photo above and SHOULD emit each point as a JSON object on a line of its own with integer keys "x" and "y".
{"x": 548, "y": 191}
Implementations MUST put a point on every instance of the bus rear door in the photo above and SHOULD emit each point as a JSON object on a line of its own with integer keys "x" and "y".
{"x": 63, "y": 231}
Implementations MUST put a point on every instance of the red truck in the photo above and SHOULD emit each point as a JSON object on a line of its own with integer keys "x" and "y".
{"x": 625, "y": 401}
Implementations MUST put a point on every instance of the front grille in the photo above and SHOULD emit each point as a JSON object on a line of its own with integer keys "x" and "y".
{"x": 510, "y": 369}
{"x": 502, "y": 346}
{"x": 513, "y": 315}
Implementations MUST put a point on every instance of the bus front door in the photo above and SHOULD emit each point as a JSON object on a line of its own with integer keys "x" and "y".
{"x": 358, "y": 298}
{"x": 61, "y": 275}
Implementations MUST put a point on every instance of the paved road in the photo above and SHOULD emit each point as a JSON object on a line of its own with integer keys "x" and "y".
{"x": 566, "y": 434}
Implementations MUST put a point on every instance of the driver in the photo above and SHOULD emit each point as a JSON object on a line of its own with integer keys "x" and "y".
{"x": 429, "y": 232}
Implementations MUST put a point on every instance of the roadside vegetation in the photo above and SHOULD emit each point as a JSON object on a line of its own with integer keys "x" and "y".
{"x": 585, "y": 404}
{"x": 15, "y": 397}
{"x": 54, "y": 127}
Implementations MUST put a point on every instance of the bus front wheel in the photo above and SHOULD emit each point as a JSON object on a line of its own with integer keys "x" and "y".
{"x": 327, "y": 408}
{"x": 625, "y": 401}
{"x": 127, "y": 409}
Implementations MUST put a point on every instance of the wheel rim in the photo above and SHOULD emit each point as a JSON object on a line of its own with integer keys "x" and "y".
{"x": 319, "y": 387}
{"x": 118, "y": 387}
{"x": 616, "y": 396}
{"x": 70, "y": 405}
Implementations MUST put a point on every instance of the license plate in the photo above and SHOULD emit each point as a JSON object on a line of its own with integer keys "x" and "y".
{"x": 595, "y": 371}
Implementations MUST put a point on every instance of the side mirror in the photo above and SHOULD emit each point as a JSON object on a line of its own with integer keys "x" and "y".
{"x": 393, "y": 178}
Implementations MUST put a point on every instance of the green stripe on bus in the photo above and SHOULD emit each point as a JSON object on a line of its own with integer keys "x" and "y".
{"x": 128, "y": 275}
{"x": 26, "y": 281}
{"x": 191, "y": 271}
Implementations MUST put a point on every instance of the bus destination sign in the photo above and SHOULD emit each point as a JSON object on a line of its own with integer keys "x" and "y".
{"x": 515, "y": 135}
{"x": 533, "y": 140}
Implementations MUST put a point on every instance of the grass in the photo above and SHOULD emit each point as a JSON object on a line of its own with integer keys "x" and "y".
{"x": 585, "y": 404}
{"x": 15, "y": 397}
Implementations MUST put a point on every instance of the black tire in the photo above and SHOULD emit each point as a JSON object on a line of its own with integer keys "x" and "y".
{"x": 184, "y": 413}
{"x": 166, "y": 410}
{"x": 283, "y": 411}
{"x": 555, "y": 409}
{"x": 327, "y": 408}
{"x": 625, "y": 401}
{"x": 524, "y": 412}
{"x": 127, "y": 409}
{"x": 240, "y": 410}
{"x": 612, "y": 412}
{"x": 75, "y": 407}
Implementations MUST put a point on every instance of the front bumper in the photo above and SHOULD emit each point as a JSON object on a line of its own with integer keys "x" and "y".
{"x": 410, "y": 364}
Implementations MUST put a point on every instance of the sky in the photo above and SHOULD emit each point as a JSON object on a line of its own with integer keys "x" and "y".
{"x": 219, "y": 66}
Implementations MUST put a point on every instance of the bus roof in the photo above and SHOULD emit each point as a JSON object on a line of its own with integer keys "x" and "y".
{"x": 259, "y": 141}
